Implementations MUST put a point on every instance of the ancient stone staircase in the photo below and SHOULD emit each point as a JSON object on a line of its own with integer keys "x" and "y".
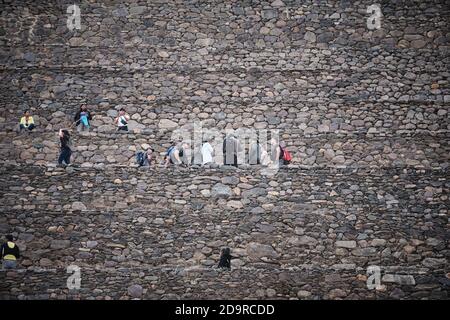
{"x": 289, "y": 233}
{"x": 99, "y": 149}
{"x": 365, "y": 114}
{"x": 174, "y": 282}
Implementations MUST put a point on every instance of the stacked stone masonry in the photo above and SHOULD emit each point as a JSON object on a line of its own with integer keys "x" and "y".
{"x": 364, "y": 112}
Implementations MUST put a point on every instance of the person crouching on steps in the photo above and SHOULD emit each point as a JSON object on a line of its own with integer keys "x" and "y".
{"x": 26, "y": 122}
{"x": 66, "y": 152}
{"x": 150, "y": 156}
{"x": 173, "y": 155}
{"x": 9, "y": 252}
{"x": 225, "y": 259}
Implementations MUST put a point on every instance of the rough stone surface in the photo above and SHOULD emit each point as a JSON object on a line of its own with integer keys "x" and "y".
{"x": 77, "y": 205}
{"x": 346, "y": 244}
{"x": 257, "y": 250}
{"x": 221, "y": 190}
{"x": 135, "y": 291}
{"x": 363, "y": 112}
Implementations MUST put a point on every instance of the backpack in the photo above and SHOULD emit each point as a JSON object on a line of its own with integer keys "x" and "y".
{"x": 123, "y": 120}
{"x": 169, "y": 151}
{"x": 140, "y": 158}
{"x": 287, "y": 157}
{"x": 84, "y": 120}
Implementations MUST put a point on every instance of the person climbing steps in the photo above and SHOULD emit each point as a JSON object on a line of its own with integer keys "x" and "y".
{"x": 64, "y": 156}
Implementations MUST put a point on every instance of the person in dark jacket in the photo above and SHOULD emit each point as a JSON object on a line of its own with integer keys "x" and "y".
{"x": 9, "y": 252}
{"x": 225, "y": 259}
{"x": 82, "y": 118}
{"x": 231, "y": 147}
{"x": 66, "y": 152}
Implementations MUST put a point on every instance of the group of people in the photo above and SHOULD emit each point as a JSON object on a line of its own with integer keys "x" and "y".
{"x": 82, "y": 122}
{"x": 179, "y": 152}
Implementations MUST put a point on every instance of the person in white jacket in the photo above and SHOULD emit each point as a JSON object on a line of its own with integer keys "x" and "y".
{"x": 207, "y": 152}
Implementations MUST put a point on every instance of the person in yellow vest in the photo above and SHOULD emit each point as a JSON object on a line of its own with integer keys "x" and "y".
{"x": 9, "y": 252}
{"x": 26, "y": 122}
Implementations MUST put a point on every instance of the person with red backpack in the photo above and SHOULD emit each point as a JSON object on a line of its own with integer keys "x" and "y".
{"x": 279, "y": 152}
{"x": 285, "y": 155}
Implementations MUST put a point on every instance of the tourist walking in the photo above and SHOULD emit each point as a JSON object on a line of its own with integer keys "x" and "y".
{"x": 66, "y": 152}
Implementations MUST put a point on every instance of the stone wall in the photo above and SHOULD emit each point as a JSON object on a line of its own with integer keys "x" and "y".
{"x": 365, "y": 114}
{"x": 300, "y": 224}
{"x": 344, "y": 150}
{"x": 234, "y": 63}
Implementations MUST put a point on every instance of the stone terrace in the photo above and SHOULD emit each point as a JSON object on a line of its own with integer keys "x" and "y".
{"x": 364, "y": 113}
{"x": 293, "y": 231}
